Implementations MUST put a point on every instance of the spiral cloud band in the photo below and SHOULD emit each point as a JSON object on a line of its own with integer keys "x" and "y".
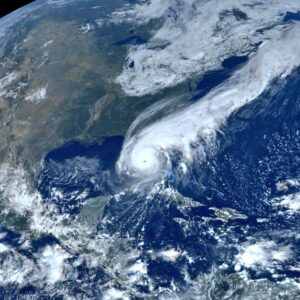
{"x": 145, "y": 155}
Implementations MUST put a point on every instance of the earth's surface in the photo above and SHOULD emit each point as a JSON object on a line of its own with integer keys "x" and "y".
{"x": 150, "y": 150}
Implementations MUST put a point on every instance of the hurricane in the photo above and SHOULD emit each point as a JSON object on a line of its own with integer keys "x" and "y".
{"x": 147, "y": 153}
{"x": 150, "y": 150}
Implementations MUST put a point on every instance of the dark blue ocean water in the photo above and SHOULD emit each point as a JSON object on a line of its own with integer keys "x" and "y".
{"x": 131, "y": 40}
{"x": 75, "y": 168}
{"x": 212, "y": 79}
{"x": 259, "y": 146}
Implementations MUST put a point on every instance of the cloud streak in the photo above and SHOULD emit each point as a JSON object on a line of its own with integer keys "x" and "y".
{"x": 147, "y": 154}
